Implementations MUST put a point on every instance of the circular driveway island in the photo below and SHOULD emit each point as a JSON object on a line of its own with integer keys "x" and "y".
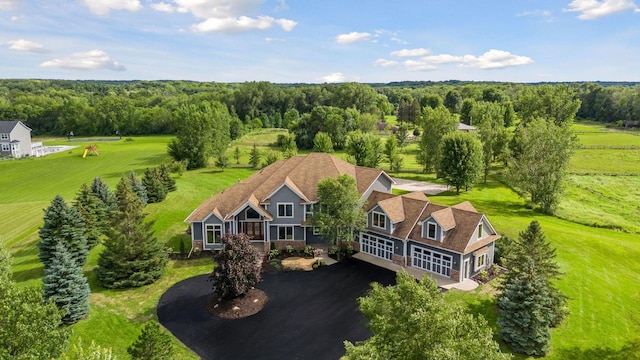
{"x": 308, "y": 315}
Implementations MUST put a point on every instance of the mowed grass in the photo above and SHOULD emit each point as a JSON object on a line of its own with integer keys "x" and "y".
{"x": 602, "y": 139}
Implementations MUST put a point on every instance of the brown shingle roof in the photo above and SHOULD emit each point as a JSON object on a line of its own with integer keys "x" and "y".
{"x": 300, "y": 173}
{"x": 394, "y": 208}
{"x": 465, "y": 206}
{"x": 445, "y": 218}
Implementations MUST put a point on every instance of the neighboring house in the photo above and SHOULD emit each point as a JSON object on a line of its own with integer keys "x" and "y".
{"x": 465, "y": 127}
{"x": 15, "y": 139}
{"x": 275, "y": 204}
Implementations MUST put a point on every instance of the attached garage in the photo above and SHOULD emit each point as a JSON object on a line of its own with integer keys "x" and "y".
{"x": 376, "y": 246}
{"x": 431, "y": 261}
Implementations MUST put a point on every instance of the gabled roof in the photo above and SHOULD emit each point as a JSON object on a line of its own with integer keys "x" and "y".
{"x": 394, "y": 209}
{"x": 465, "y": 206}
{"x": 445, "y": 218}
{"x": 300, "y": 173}
{"x": 8, "y": 126}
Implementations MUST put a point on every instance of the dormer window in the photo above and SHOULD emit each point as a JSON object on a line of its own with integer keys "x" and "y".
{"x": 379, "y": 220}
{"x": 431, "y": 230}
{"x": 480, "y": 231}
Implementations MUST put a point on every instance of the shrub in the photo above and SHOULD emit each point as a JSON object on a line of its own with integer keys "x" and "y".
{"x": 289, "y": 249}
{"x": 237, "y": 267}
{"x": 483, "y": 275}
{"x": 308, "y": 250}
{"x": 152, "y": 344}
{"x": 273, "y": 253}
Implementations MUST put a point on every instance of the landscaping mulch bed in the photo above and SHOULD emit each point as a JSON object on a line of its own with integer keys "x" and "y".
{"x": 240, "y": 307}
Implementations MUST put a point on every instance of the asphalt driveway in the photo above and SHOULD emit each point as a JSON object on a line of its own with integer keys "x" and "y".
{"x": 308, "y": 316}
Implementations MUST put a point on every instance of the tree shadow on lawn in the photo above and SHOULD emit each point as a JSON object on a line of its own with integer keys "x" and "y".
{"x": 308, "y": 315}
{"x": 629, "y": 351}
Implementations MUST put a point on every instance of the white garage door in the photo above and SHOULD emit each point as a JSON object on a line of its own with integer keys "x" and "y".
{"x": 431, "y": 261}
{"x": 376, "y": 246}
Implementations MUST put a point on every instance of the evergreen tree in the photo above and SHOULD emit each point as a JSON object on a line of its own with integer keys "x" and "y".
{"x": 322, "y": 143}
{"x": 236, "y": 155}
{"x": 152, "y": 181}
{"x": 94, "y": 214}
{"x": 222, "y": 160}
{"x": 66, "y": 285}
{"x": 237, "y": 268}
{"x": 132, "y": 256}
{"x": 101, "y": 189}
{"x": 525, "y": 315}
{"x": 138, "y": 187}
{"x": 254, "y": 157}
{"x": 151, "y": 344}
{"x": 165, "y": 176}
{"x": 62, "y": 224}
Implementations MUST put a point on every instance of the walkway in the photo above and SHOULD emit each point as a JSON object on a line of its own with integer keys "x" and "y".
{"x": 414, "y": 185}
{"x": 443, "y": 282}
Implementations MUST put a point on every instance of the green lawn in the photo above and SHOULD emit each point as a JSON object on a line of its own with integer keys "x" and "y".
{"x": 603, "y": 139}
{"x": 602, "y": 268}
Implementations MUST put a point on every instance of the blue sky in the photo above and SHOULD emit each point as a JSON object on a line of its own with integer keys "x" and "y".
{"x": 316, "y": 41}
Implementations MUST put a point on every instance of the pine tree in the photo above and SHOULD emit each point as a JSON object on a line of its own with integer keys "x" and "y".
{"x": 236, "y": 155}
{"x": 152, "y": 344}
{"x": 254, "y": 157}
{"x": 237, "y": 267}
{"x": 132, "y": 256}
{"x": 525, "y": 309}
{"x": 101, "y": 189}
{"x": 62, "y": 224}
{"x": 168, "y": 182}
{"x": 222, "y": 160}
{"x": 66, "y": 285}
{"x": 138, "y": 187}
{"x": 156, "y": 191}
{"x": 94, "y": 214}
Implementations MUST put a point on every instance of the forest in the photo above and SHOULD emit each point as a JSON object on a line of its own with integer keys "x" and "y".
{"x": 89, "y": 108}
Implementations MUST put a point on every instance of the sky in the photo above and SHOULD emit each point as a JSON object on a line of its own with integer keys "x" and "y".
{"x": 321, "y": 41}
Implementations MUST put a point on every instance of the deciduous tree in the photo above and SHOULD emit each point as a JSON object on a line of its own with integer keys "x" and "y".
{"x": 237, "y": 267}
{"x": 436, "y": 123}
{"x": 461, "y": 161}
{"x": 322, "y": 143}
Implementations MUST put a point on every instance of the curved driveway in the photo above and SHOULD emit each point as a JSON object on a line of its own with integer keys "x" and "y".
{"x": 308, "y": 316}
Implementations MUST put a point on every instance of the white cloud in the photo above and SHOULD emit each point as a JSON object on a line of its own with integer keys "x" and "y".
{"x": 333, "y": 78}
{"x": 593, "y": 9}
{"x": 385, "y": 63}
{"x": 103, "y": 7}
{"x": 242, "y": 23}
{"x": 8, "y": 4}
{"x": 417, "y": 65}
{"x": 496, "y": 59}
{"x": 90, "y": 60}
{"x": 26, "y": 45}
{"x": 442, "y": 59}
{"x": 205, "y": 9}
{"x": 399, "y": 41}
{"x": 352, "y": 37}
{"x": 411, "y": 52}
{"x": 164, "y": 7}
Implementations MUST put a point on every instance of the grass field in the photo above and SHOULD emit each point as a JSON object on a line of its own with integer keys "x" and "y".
{"x": 602, "y": 271}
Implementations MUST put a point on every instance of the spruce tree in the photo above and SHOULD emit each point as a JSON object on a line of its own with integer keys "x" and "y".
{"x": 138, "y": 187}
{"x": 132, "y": 256}
{"x": 156, "y": 191}
{"x": 525, "y": 312}
{"x": 66, "y": 285}
{"x": 94, "y": 214}
{"x": 62, "y": 224}
{"x": 101, "y": 189}
{"x": 254, "y": 157}
{"x": 168, "y": 182}
{"x": 152, "y": 344}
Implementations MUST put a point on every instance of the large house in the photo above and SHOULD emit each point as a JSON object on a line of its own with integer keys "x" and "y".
{"x": 274, "y": 204}
{"x": 15, "y": 139}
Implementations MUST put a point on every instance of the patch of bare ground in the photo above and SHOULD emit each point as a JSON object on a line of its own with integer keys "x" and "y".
{"x": 246, "y": 305}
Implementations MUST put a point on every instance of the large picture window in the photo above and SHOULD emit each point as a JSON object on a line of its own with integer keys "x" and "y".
{"x": 379, "y": 220}
{"x": 214, "y": 233}
{"x": 285, "y": 210}
{"x": 285, "y": 233}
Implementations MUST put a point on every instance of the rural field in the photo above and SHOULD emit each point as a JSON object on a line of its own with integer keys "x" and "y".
{"x": 595, "y": 232}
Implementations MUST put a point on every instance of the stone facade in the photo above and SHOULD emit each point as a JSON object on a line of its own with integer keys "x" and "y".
{"x": 398, "y": 259}
{"x": 282, "y": 244}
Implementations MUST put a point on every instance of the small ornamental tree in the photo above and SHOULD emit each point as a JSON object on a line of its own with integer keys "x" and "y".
{"x": 156, "y": 191}
{"x": 138, "y": 187}
{"x": 237, "y": 268}
{"x": 62, "y": 224}
{"x": 94, "y": 214}
{"x": 67, "y": 286}
{"x": 152, "y": 344}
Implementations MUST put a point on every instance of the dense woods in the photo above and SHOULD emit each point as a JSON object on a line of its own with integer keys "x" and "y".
{"x": 87, "y": 108}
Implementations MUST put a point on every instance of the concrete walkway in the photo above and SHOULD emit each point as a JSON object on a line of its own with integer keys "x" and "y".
{"x": 414, "y": 185}
{"x": 443, "y": 282}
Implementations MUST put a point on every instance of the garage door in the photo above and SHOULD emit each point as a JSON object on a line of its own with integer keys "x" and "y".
{"x": 431, "y": 261}
{"x": 376, "y": 246}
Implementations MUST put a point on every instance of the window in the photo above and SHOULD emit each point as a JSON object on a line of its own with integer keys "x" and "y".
{"x": 431, "y": 230}
{"x": 379, "y": 220}
{"x": 5, "y": 147}
{"x": 214, "y": 233}
{"x": 481, "y": 260}
{"x": 251, "y": 214}
{"x": 4, "y": 136}
{"x": 285, "y": 233}
{"x": 308, "y": 210}
{"x": 480, "y": 231}
{"x": 285, "y": 210}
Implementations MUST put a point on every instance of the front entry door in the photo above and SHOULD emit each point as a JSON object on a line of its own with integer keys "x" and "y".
{"x": 466, "y": 269}
{"x": 253, "y": 229}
